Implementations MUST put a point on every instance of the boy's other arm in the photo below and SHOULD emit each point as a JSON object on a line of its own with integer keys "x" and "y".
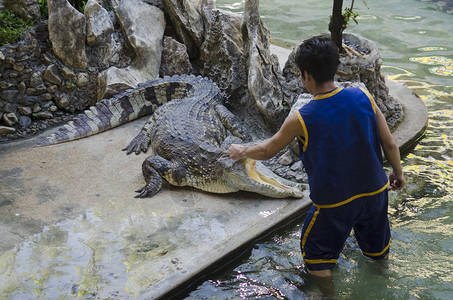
{"x": 391, "y": 152}
{"x": 290, "y": 129}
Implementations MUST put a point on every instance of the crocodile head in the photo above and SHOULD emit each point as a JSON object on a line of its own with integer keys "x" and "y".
{"x": 253, "y": 176}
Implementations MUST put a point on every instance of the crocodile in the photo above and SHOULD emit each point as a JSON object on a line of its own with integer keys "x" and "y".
{"x": 189, "y": 132}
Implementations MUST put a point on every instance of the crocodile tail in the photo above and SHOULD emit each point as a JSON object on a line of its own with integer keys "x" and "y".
{"x": 121, "y": 108}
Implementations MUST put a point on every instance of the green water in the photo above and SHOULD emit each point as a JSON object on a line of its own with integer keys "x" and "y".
{"x": 415, "y": 40}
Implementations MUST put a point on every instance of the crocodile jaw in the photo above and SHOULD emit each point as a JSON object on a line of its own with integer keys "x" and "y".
{"x": 257, "y": 178}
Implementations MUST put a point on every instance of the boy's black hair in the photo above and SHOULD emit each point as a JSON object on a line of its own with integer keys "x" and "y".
{"x": 319, "y": 57}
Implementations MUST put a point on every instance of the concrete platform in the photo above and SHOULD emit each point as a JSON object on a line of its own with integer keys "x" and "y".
{"x": 69, "y": 224}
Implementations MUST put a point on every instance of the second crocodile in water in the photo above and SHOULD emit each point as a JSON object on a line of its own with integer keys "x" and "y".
{"x": 189, "y": 132}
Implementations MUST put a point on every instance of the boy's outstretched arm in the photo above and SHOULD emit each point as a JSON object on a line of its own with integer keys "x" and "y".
{"x": 290, "y": 129}
{"x": 391, "y": 151}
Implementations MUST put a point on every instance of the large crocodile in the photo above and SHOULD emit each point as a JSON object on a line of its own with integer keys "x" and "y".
{"x": 188, "y": 136}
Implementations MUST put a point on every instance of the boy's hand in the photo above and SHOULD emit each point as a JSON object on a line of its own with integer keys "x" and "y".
{"x": 396, "y": 182}
{"x": 236, "y": 151}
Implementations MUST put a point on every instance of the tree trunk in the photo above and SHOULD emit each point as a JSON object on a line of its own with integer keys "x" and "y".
{"x": 337, "y": 24}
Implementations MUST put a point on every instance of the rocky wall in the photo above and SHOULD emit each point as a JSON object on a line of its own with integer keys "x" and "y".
{"x": 35, "y": 91}
{"x": 38, "y": 90}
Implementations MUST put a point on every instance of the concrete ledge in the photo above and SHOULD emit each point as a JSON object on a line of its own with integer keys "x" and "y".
{"x": 415, "y": 122}
{"x": 72, "y": 206}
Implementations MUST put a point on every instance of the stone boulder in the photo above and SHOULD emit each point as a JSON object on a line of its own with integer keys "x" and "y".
{"x": 105, "y": 42}
{"x": 366, "y": 68}
{"x": 265, "y": 82}
{"x": 143, "y": 26}
{"x": 235, "y": 54}
{"x": 175, "y": 59}
{"x": 99, "y": 24}
{"x": 67, "y": 32}
{"x": 187, "y": 20}
{"x": 26, "y": 9}
{"x": 222, "y": 54}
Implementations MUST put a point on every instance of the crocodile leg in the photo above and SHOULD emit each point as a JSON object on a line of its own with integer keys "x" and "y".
{"x": 141, "y": 142}
{"x": 231, "y": 123}
{"x": 155, "y": 168}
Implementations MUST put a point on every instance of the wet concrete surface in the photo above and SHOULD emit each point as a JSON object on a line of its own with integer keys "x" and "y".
{"x": 72, "y": 206}
{"x": 70, "y": 225}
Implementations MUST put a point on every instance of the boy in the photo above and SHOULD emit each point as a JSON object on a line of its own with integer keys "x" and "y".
{"x": 340, "y": 134}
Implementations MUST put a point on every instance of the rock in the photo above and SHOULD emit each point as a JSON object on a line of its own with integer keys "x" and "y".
{"x": 10, "y": 108}
{"x": 46, "y": 97}
{"x": 35, "y": 79}
{"x": 222, "y": 55}
{"x": 10, "y": 60}
{"x": 47, "y": 104}
{"x": 5, "y": 85}
{"x": 99, "y": 24}
{"x": 297, "y": 166}
{"x": 67, "y": 73}
{"x": 36, "y": 108}
{"x": 144, "y": 27}
{"x": 285, "y": 159}
{"x": 235, "y": 54}
{"x": 21, "y": 88}
{"x": 67, "y": 32}
{"x": 301, "y": 177}
{"x": 26, "y": 9}
{"x": 114, "y": 80}
{"x": 2, "y": 56}
{"x": 187, "y": 20}
{"x": 82, "y": 79}
{"x": 111, "y": 51}
{"x": 18, "y": 67}
{"x": 28, "y": 100}
{"x": 9, "y": 95}
{"x": 24, "y": 122}
{"x": 25, "y": 110}
{"x": 264, "y": 83}
{"x": 31, "y": 91}
{"x": 52, "y": 89}
{"x": 52, "y": 75}
{"x": 10, "y": 119}
{"x": 45, "y": 114}
{"x": 36, "y": 90}
{"x": 62, "y": 100}
{"x": 4, "y": 130}
{"x": 175, "y": 59}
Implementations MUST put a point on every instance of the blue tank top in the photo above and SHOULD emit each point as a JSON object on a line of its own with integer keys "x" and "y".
{"x": 341, "y": 151}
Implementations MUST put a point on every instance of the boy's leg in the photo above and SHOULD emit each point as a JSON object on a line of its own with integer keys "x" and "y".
{"x": 324, "y": 281}
{"x": 373, "y": 230}
{"x": 323, "y": 236}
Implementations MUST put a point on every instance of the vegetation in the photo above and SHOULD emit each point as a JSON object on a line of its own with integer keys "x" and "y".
{"x": 11, "y": 26}
{"x": 43, "y": 8}
{"x": 340, "y": 19}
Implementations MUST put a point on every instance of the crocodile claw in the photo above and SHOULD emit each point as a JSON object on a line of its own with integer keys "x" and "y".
{"x": 138, "y": 144}
{"x": 145, "y": 192}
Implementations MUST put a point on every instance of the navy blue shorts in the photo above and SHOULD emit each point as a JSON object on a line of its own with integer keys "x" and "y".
{"x": 325, "y": 230}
